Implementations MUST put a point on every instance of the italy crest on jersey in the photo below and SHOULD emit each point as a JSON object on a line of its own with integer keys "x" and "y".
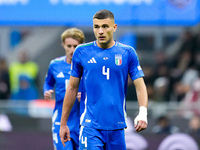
{"x": 118, "y": 59}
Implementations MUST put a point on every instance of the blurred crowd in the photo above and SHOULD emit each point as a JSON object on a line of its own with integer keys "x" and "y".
{"x": 18, "y": 81}
{"x": 171, "y": 78}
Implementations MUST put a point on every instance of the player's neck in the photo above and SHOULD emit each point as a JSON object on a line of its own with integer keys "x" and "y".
{"x": 106, "y": 45}
{"x": 68, "y": 60}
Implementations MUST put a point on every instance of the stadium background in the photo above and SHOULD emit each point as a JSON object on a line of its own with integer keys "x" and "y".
{"x": 147, "y": 25}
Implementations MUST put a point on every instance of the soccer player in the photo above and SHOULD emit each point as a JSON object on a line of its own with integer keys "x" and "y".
{"x": 104, "y": 65}
{"x": 58, "y": 76}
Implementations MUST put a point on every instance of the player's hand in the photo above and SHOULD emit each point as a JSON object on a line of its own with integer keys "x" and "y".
{"x": 48, "y": 94}
{"x": 140, "y": 122}
{"x": 140, "y": 125}
{"x": 64, "y": 134}
{"x": 78, "y": 96}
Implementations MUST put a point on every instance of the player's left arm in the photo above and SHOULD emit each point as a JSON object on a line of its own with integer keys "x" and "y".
{"x": 141, "y": 120}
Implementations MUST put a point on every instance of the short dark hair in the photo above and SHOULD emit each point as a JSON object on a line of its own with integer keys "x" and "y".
{"x": 103, "y": 14}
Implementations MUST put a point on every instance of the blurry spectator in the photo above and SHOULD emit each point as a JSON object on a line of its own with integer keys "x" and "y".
{"x": 27, "y": 90}
{"x": 180, "y": 65}
{"x": 191, "y": 102}
{"x": 161, "y": 88}
{"x": 4, "y": 80}
{"x": 23, "y": 67}
{"x": 162, "y": 83}
{"x": 164, "y": 126}
{"x": 162, "y": 80}
{"x": 194, "y": 125}
{"x": 180, "y": 73}
{"x": 183, "y": 86}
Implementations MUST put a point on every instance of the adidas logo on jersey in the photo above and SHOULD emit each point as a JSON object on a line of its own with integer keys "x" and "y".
{"x": 60, "y": 75}
{"x": 92, "y": 60}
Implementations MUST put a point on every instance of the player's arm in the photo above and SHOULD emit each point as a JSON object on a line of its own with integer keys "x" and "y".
{"x": 48, "y": 84}
{"x": 141, "y": 120}
{"x": 70, "y": 97}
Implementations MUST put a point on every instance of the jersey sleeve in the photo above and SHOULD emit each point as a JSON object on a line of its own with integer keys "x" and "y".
{"x": 76, "y": 68}
{"x": 135, "y": 70}
{"x": 49, "y": 80}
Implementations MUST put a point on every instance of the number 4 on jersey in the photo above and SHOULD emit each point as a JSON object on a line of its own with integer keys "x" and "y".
{"x": 106, "y": 72}
{"x": 84, "y": 141}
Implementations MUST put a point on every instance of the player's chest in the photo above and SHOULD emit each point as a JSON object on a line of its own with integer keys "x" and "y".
{"x": 61, "y": 73}
{"x": 114, "y": 60}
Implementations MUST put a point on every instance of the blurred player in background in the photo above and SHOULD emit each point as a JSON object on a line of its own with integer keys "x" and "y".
{"x": 104, "y": 66}
{"x": 58, "y": 76}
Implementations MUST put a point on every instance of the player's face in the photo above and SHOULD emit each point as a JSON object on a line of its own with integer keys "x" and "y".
{"x": 69, "y": 45}
{"x": 103, "y": 31}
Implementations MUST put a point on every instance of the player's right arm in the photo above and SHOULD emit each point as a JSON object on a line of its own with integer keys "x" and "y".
{"x": 70, "y": 97}
{"x": 49, "y": 84}
{"x": 48, "y": 94}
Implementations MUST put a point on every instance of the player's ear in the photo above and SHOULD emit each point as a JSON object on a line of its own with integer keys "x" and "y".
{"x": 115, "y": 27}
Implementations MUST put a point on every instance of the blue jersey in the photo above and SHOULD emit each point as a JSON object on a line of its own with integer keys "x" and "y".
{"x": 58, "y": 76}
{"x": 105, "y": 76}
